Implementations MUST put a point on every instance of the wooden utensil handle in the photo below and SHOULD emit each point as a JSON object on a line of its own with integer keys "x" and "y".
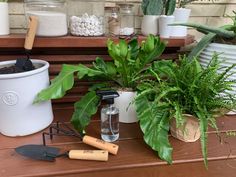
{"x": 98, "y": 155}
{"x": 30, "y": 35}
{"x": 100, "y": 144}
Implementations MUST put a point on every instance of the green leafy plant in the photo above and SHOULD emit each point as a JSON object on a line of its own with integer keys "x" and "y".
{"x": 223, "y": 34}
{"x": 150, "y": 7}
{"x": 129, "y": 63}
{"x": 3, "y": 0}
{"x": 177, "y": 89}
{"x": 169, "y": 6}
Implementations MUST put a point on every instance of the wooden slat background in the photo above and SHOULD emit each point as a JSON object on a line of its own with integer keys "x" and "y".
{"x": 72, "y": 50}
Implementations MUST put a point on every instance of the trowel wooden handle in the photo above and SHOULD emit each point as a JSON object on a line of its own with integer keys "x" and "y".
{"x": 32, "y": 28}
{"x": 100, "y": 144}
{"x": 98, "y": 155}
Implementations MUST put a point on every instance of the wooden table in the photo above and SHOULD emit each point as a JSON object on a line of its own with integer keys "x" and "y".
{"x": 134, "y": 157}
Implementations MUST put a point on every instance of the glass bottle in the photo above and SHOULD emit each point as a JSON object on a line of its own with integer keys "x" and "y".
{"x": 126, "y": 19}
{"x": 109, "y": 116}
{"x": 52, "y": 16}
{"x": 110, "y": 123}
{"x": 112, "y": 21}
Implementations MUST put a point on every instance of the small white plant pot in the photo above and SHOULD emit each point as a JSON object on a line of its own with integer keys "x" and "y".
{"x": 4, "y": 19}
{"x": 149, "y": 25}
{"x": 188, "y": 132}
{"x": 164, "y": 29}
{"x": 127, "y": 113}
{"x": 19, "y": 116}
{"x": 181, "y": 16}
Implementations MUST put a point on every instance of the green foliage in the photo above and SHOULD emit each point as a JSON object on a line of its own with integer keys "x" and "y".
{"x": 130, "y": 61}
{"x": 152, "y": 7}
{"x": 177, "y": 89}
{"x": 3, "y": 0}
{"x": 170, "y": 7}
{"x": 59, "y": 85}
{"x": 154, "y": 122}
{"x": 84, "y": 109}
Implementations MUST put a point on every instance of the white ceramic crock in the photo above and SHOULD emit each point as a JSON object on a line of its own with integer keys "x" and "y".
{"x": 149, "y": 25}
{"x": 181, "y": 16}
{"x": 18, "y": 115}
{"x": 4, "y": 19}
{"x": 127, "y": 113}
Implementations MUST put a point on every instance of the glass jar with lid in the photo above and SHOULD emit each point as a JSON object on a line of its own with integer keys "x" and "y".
{"x": 126, "y": 19}
{"x": 51, "y": 14}
{"x": 112, "y": 24}
{"x": 86, "y": 17}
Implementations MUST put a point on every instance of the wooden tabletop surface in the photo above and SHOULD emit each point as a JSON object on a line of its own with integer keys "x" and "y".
{"x": 17, "y": 41}
{"x": 134, "y": 156}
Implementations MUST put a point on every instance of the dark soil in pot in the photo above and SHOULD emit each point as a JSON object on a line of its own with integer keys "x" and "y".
{"x": 22, "y": 65}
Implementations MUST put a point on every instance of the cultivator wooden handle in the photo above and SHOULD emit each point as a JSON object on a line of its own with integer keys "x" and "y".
{"x": 100, "y": 144}
{"x": 98, "y": 155}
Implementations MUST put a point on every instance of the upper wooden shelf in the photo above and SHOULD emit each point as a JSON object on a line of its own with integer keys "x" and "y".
{"x": 17, "y": 41}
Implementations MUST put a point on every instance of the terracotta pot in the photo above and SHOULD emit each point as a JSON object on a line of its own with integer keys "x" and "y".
{"x": 189, "y": 132}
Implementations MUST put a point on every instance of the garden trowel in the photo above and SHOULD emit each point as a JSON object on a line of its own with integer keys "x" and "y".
{"x": 46, "y": 153}
{"x": 25, "y": 64}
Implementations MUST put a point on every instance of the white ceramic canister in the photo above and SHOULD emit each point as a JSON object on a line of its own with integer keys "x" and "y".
{"x": 124, "y": 103}
{"x": 52, "y": 16}
{"x": 149, "y": 25}
{"x": 4, "y": 19}
{"x": 164, "y": 29}
{"x": 181, "y": 16}
{"x": 19, "y": 116}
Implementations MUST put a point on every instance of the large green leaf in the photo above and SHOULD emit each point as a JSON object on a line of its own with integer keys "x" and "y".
{"x": 84, "y": 109}
{"x": 222, "y": 32}
{"x": 63, "y": 82}
{"x": 154, "y": 122}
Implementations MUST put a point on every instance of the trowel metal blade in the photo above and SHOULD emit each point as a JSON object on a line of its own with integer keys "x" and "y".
{"x": 38, "y": 152}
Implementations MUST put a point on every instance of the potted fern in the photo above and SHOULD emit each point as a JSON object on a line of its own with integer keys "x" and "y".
{"x": 152, "y": 11}
{"x": 219, "y": 40}
{"x": 4, "y": 18}
{"x": 177, "y": 90}
{"x": 130, "y": 60}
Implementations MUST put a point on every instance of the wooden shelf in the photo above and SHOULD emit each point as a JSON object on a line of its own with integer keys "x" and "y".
{"x": 17, "y": 41}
